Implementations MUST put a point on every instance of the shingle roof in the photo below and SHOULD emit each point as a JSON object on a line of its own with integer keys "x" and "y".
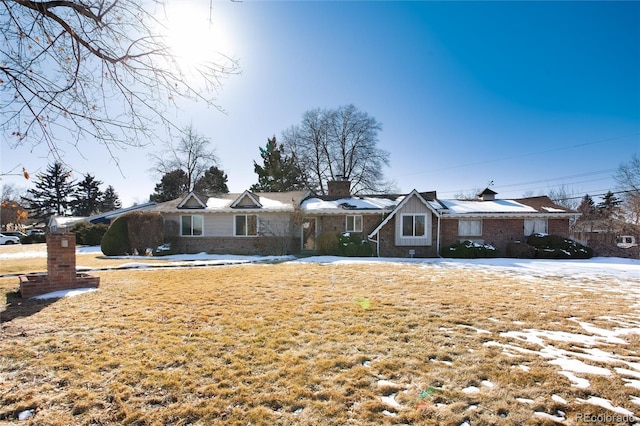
{"x": 224, "y": 202}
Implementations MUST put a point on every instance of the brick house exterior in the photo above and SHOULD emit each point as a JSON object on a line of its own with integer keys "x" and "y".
{"x": 411, "y": 225}
{"x": 485, "y": 220}
{"x": 247, "y": 223}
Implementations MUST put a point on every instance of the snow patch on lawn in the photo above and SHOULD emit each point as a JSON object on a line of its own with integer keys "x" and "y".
{"x": 64, "y": 293}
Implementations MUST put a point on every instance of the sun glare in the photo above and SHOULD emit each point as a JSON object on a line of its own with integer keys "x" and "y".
{"x": 195, "y": 34}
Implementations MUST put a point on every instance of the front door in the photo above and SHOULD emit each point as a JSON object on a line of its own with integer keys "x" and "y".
{"x": 309, "y": 234}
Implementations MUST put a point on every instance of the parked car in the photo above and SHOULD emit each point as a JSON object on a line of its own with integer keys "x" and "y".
{"x": 626, "y": 241}
{"x": 35, "y": 232}
{"x": 18, "y": 234}
{"x": 9, "y": 239}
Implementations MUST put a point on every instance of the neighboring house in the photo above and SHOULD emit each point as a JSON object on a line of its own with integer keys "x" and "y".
{"x": 107, "y": 217}
{"x": 65, "y": 223}
{"x": 416, "y": 224}
{"x": 61, "y": 224}
{"x": 246, "y": 223}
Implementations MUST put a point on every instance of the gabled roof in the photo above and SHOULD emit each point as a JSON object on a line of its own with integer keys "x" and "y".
{"x": 230, "y": 203}
{"x": 247, "y": 200}
{"x": 192, "y": 201}
{"x": 433, "y": 206}
{"x": 487, "y": 191}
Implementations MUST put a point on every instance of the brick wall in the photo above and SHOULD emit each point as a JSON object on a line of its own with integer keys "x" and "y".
{"x": 499, "y": 232}
{"x": 261, "y": 245}
{"x": 388, "y": 240}
{"x": 337, "y": 223}
{"x": 559, "y": 227}
{"x": 36, "y": 284}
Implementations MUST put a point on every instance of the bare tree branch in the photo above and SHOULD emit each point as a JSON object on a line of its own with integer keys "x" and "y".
{"x": 75, "y": 71}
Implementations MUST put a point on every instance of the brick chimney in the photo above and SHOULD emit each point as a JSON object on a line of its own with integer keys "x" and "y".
{"x": 339, "y": 188}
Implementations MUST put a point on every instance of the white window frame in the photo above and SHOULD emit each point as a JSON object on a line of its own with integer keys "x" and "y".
{"x": 246, "y": 225}
{"x": 191, "y": 227}
{"x": 532, "y": 226}
{"x": 353, "y": 221}
{"x": 413, "y": 225}
{"x": 469, "y": 227}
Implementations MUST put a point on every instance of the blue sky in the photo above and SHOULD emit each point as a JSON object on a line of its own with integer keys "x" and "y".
{"x": 529, "y": 95}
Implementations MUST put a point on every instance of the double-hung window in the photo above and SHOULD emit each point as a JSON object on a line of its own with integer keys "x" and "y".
{"x": 354, "y": 223}
{"x": 470, "y": 227}
{"x": 246, "y": 225}
{"x": 191, "y": 225}
{"x": 414, "y": 225}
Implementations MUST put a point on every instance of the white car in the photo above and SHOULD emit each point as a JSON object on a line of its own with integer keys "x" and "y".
{"x": 626, "y": 241}
{"x": 8, "y": 239}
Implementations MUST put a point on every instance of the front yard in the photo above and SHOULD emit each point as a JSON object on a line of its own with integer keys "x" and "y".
{"x": 325, "y": 343}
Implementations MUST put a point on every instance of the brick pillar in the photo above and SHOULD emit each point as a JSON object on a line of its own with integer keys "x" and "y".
{"x": 61, "y": 258}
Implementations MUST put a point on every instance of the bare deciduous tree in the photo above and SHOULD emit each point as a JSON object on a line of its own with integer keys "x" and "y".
{"x": 565, "y": 197}
{"x": 78, "y": 70}
{"x": 338, "y": 143}
{"x": 627, "y": 177}
{"x": 191, "y": 155}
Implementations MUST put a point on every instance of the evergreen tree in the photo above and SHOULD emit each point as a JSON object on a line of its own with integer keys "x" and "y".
{"x": 278, "y": 173}
{"x": 172, "y": 185}
{"x": 52, "y": 194}
{"x": 587, "y": 207}
{"x": 110, "y": 200}
{"x": 88, "y": 197}
{"x": 214, "y": 180}
{"x": 610, "y": 206}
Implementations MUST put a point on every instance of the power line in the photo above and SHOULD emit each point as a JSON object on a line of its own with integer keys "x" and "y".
{"x": 580, "y": 145}
{"x": 523, "y": 184}
{"x": 558, "y": 178}
{"x": 627, "y": 191}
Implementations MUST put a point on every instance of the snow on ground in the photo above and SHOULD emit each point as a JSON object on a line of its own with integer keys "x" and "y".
{"x": 592, "y": 345}
{"x": 64, "y": 293}
{"x": 617, "y": 268}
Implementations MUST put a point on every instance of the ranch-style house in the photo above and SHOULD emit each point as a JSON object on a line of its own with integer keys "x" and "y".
{"x": 417, "y": 224}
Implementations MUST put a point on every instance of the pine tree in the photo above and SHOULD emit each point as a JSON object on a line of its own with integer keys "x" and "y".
{"x": 610, "y": 206}
{"x": 278, "y": 173}
{"x": 172, "y": 185}
{"x": 52, "y": 194}
{"x": 110, "y": 200}
{"x": 587, "y": 207}
{"x": 88, "y": 197}
{"x": 214, "y": 180}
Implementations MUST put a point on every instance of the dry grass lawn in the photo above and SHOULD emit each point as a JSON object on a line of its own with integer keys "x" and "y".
{"x": 304, "y": 344}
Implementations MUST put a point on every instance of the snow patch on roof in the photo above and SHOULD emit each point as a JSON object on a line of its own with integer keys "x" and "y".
{"x": 218, "y": 203}
{"x": 269, "y": 203}
{"x": 350, "y": 203}
{"x": 497, "y": 206}
{"x": 553, "y": 210}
